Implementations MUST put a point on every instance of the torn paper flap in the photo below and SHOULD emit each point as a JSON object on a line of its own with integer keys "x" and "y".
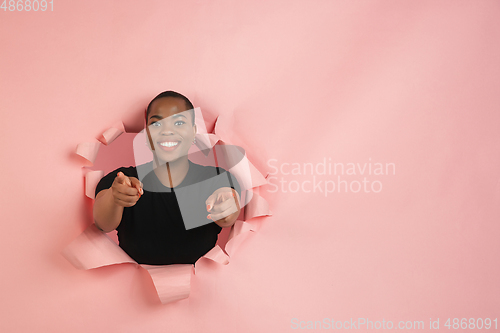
{"x": 258, "y": 206}
{"x": 92, "y": 249}
{"x": 92, "y": 178}
{"x": 112, "y": 133}
{"x": 239, "y": 232}
{"x": 172, "y": 282}
{"x": 88, "y": 150}
{"x": 216, "y": 254}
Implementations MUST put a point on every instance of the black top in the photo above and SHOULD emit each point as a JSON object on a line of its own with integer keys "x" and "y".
{"x": 170, "y": 227}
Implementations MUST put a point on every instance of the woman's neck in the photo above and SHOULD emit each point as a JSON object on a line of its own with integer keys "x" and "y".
{"x": 171, "y": 174}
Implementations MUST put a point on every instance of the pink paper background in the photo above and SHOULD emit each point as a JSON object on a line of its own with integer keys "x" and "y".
{"x": 414, "y": 83}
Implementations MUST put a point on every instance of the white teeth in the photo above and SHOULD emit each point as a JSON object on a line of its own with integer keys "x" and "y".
{"x": 169, "y": 144}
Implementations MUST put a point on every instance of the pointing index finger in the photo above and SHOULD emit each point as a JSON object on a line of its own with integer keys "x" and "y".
{"x": 122, "y": 179}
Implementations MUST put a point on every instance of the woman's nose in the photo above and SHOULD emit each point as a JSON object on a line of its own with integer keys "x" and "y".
{"x": 167, "y": 129}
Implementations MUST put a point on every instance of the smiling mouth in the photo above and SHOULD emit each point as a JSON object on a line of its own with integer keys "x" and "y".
{"x": 169, "y": 144}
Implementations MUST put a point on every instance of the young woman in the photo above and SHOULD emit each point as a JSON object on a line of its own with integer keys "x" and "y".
{"x": 176, "y": 213}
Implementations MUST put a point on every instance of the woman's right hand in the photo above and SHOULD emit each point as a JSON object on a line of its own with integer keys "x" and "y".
{"x": 126, "y": 190}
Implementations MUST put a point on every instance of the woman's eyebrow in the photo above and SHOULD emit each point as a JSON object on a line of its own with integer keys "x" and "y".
{"x": 177, "y": 115}
{"x": 156, "y": 116}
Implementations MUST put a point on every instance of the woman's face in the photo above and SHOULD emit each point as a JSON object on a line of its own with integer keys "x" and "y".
{"x": 170, "y": 128}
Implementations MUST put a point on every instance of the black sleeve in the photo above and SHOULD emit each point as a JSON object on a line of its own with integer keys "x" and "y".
{"x": 108, "y": 180}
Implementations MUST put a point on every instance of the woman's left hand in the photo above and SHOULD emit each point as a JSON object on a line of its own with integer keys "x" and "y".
{"x": 223, "y": 206}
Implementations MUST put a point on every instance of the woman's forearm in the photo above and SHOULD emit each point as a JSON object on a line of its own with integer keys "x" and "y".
{"x": 107, "y": 214}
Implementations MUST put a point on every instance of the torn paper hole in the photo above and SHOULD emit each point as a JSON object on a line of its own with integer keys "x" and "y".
{"x": 93, "y": 248}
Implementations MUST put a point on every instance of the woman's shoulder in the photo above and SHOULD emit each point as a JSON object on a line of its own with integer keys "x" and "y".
{"x": 130, "y": 171}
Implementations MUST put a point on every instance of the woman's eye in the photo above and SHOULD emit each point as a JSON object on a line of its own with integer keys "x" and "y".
{"x": 179, "y": 122}
{"x": 156, "y": 124}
